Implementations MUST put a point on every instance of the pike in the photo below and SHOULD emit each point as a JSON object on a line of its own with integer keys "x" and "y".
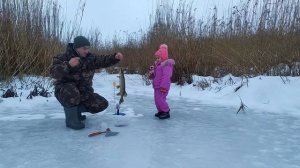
{"x": 121, "y": 86}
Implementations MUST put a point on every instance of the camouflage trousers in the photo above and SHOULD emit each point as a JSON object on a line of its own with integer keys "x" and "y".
{"x": 69, "y": 95}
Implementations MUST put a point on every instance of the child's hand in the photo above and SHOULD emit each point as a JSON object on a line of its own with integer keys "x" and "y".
{"x": 151, "y": 72}
{"x": 163, "y": 90}
{"x": 151, "y": 75}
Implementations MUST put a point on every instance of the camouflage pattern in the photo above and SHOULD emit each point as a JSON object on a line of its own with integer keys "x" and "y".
{"x": 73, "y": 85}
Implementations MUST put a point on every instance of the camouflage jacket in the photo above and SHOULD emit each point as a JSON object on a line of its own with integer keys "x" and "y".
{"x": 82, "y": 75}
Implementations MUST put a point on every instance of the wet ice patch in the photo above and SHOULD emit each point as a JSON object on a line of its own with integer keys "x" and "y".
{"x": 259, "y": 164}
{"x": 56, "y": 115}
{"x": 196, "y": 108}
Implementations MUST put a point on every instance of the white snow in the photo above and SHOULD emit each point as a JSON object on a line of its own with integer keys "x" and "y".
{"x": 204, "y": 130}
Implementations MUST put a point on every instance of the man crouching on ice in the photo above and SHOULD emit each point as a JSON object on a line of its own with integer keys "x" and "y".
{"x": 73, "y": 72}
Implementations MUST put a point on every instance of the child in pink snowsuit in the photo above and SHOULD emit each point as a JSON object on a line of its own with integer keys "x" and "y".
{"x": 161, "y": 74}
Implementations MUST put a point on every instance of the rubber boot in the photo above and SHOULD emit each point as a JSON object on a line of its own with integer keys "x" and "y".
{"x": 72, "y": 119}
{"x": 81, "y": 109}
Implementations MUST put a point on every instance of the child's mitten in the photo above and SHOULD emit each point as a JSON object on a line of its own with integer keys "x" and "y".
{"x": 163, "y": 90}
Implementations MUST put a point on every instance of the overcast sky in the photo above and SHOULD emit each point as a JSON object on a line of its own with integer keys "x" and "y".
{"x": 120, "y": 16}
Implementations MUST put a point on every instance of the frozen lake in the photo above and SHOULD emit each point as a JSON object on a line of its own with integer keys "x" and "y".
{"x": 196, "y": 136}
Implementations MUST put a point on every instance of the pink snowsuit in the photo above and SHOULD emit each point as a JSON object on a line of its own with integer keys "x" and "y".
{"x": 161, "y": 76}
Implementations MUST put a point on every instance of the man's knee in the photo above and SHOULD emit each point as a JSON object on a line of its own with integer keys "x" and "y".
{"x": 68, "y": 96}
{"x": 98, "y": 106}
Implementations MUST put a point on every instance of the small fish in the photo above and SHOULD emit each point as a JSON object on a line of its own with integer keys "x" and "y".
{"x": 121, "y": 86}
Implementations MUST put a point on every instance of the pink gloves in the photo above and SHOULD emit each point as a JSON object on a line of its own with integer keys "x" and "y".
{"x": 163, "y": 90}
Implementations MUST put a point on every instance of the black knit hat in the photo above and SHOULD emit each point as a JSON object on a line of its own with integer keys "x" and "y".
{"x": 81, "y": 41}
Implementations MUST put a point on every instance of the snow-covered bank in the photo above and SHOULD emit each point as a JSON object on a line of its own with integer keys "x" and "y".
{"x": 262, "y": 93}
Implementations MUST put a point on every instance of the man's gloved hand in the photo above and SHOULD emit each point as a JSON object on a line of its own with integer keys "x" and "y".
{"x": 74, "y": 61}
{"x": 163, "y": 90}
{"x": 119, "y": 56}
